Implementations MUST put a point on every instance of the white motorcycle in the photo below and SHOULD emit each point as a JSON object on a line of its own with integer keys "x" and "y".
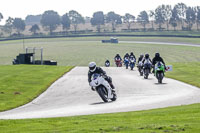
{"x": 103, "y": 88}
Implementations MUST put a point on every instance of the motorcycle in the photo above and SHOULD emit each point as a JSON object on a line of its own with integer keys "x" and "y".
{"x": 107, "y": 63}
{"x": 159, "y": 71}
{"x": 140, "y": 68}
{"x": 146, "y": 69}
{"x": 132, "y": 63}
{"x": 118, "y": 62}
{"x": 126, "y": 62}
{"x": 103, "y": 88}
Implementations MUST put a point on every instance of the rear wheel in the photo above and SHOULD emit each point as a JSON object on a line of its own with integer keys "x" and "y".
{"x": 103, "y": 93}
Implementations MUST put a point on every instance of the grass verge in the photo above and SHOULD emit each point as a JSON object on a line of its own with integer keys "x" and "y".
{"x": 186, "y": 72}
{"x": 22, "y": 83}
{"x": 183, "y": 119}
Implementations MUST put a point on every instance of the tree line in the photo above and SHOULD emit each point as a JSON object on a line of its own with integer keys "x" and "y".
{"x": 180, "y": 14}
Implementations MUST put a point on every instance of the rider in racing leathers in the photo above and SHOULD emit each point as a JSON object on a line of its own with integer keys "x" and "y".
{"x": 156, "y": 59}
{"x": 94, "y": 69}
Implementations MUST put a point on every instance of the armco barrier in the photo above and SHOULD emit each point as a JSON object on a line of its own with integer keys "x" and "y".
{"x": 96, "y": 35}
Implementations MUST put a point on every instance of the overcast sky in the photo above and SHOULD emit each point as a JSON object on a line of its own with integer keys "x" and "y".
{"x": 22, "y": 8}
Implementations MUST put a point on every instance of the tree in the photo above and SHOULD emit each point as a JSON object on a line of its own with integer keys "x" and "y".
{"x": 75, "y": 19}
{"x": 8, "y": 26}
{"x": 174, "y": 18}
{"x": 1, "y": 17}
{"x": 190, "y": 17}
{"x": 50, "y": 20}
{"x": 34, "y": 29}
{"x": 128, "y": 19}
{"x": 114, "y": 19}
{"x": 98, "y": 20}
{"x": 143, "y": 19}
{"x": 167, "y": 14}
{"x": 65, "y": 21}
{"x": 181, "y": 9}
{"x": 152, "y": 17}
{"x": 19, "y": 25}
{"x": 160, "y": 16}
{"x": 198, "y": 16}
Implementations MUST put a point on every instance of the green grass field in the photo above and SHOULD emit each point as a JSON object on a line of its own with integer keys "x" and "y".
{"x": 186, "y": 66}
{"x": 21, "y": 84}
{"x": 79, "y": 52}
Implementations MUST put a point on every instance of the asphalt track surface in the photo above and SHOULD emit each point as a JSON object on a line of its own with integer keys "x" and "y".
{"x": 72, "y": 96}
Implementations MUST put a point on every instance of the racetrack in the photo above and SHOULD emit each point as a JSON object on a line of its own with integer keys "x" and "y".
{"x": 71, "y": 95}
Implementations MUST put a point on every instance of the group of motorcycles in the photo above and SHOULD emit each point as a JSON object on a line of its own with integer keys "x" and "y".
{"x": 127, "y": 62}
{"x": 145, "y": 69}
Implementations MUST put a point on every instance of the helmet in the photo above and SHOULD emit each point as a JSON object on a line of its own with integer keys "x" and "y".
{"x": 92, "y": 66}
{"x": 131, "y": 53}
{"x": 146, "y": 56}
{"x": 157, "y": 54}
{"x": 141, "y": 55}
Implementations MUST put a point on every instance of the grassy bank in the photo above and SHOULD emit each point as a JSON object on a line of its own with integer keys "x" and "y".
{"x": 186, "y": 72}
{"x": 22, "y": 83}
{"x": 183, "y": 119}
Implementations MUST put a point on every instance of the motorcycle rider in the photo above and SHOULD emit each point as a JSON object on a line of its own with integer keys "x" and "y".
{"x": 147, "y": 61}
{"x": 107, "y": 63}
{"x": 94, "y": 69}
{"x": 132, "y": 56}
{"x": 117, "y": 57}
{"x": 126, "y": 56}
{"x": 140, "y": 58}
{"x": 156, "y": 59}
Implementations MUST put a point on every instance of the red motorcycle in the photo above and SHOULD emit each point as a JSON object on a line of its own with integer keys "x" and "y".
{"x": 118, "y": 62}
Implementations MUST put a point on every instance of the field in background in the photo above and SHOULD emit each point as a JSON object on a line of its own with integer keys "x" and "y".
{"x": 80, "y": 51}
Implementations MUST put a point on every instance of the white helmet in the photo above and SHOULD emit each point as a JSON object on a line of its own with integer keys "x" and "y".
{"x": 92, "y": 66}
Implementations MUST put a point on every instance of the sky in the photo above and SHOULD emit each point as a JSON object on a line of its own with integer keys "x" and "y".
{"x": 22, "y": 8}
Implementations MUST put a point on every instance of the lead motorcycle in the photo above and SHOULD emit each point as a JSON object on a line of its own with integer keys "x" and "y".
{"x": 103, "y": 88}
{"x": 159, "y": 71}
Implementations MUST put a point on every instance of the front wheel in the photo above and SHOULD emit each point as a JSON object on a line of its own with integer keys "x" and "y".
{"x": 114, "y": 97}
{"x": 160, "y": 76}
{"x": 103, "y": 93}
{"x": 146, "y": 73}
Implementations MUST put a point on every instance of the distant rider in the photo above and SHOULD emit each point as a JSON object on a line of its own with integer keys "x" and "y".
{"x": 156, "y": 59}
{"x": 94, "y": 69}
{"x": 140, "y": 58}
{"x": 118, "y": 57}
{"x": 107, "y": 63}
{"x": 147, "y": 62}
{"x": 132, "y": 56}
{"x": 126, "y": 56}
